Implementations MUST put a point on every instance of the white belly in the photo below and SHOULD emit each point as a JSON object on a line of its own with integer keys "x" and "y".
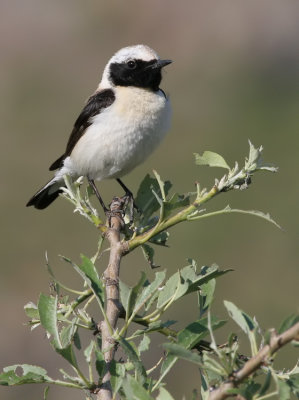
{"x": 121, "y": 136}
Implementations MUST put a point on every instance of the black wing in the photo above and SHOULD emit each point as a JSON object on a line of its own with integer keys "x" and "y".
{"x": 95, "y": 104}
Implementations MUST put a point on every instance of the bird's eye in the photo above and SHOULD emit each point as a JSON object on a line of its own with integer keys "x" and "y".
{"x": 131, "y": 64}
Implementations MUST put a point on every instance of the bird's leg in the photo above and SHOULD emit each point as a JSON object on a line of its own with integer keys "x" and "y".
{"x": 96, "y": 192}
{"x": 128, "y": 193}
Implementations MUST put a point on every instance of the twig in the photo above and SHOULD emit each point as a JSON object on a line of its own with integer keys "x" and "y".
{"x": 113, "y": 308}
{"x": 276, "y": 342}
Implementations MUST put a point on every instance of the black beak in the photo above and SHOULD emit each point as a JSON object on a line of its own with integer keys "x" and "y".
{"x": 161, "y": 63}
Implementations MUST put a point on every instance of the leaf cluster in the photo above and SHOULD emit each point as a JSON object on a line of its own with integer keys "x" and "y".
{"x": 144, "y": 306}
{"x": 160, "y": 209}
{"x": 65, "y": 313}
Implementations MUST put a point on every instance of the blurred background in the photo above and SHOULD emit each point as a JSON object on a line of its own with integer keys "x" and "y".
{"x": 235, "y": 77}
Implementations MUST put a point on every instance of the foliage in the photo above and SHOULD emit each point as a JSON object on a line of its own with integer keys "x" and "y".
{"x": 144, "y": 305}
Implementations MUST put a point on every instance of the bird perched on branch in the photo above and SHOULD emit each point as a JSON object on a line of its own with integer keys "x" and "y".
{"x": 119, "y": 127}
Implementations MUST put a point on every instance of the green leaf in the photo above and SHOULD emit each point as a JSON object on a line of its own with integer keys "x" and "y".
{"x": 47, "y": 308}
{"x": 31, "y": 311}
{"x": 284, "y": 390}
{"x": 175, "y": 202}
{"x": 29, "y": 374}
{"x": 68, "y": 377}
{"x": 212, "y": 367}
{"x": 134, "y": 389}
{"x": 88, "y": 272}
{"x": 167, "y": 364}
{"x": 133, "y": 357}
{"x": 254, "y": 156}
{"x": 244, "y": 321}
{"x": 197, "y": 280}
{"x": 211, "y": 159}
{"x": 154, "y": 326}
{"x": 255, "y": 213}
{"x": 164, "y": 394}
{"x": 196, "y": 331}
{"x": 68, "y": 332}
{"x": 161, "y": 185}
{"x": 288, "y": 323}
{"x": 129, "y": 295}
{"x": 68, "y": 354}
{"x": 125, "y": 292}
{"x": 149, "y": 291}
{"x": 148, "y": 304}
{"x": 188, "y": 338}
{"x": 267, "y": 336}
{"x": 153, "y": 195}
{"x": 88, "y": 351}
{"x": 46, "y": 392}
{"x": 266, "y": 384}
{"x": 211, "y": 371}
{"x": 174, "y": 288}
{"x": 77, "y": 341}
{"x": 294, "y": 384}
{"x": 160, "y": 239}
{"x": 144, "y": 344}
{"x": 255, "y": 161}
{"x": 251, "y": 389}
{"x": 206, "y": 295}
{"x": 181, "y": 352}
{"x": 186, "y": 281}
{"x": 229, "y": 210}
{"x": 204, "y": 389}
{"x": 89, "y": 269}
{"x": 149, "y": 253}
{"x": 100, "y": 362}
{"x": 118, "y": 372}
{"x": 145, "y": 198}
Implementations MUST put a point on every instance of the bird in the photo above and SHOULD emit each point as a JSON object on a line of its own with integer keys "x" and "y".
{"x": 121, "y": 124}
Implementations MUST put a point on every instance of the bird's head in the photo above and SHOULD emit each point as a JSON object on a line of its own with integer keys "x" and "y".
{"x": 138, "y": 66}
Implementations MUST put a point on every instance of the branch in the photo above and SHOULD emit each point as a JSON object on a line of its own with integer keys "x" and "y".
{"x": 235, "y": 179}
{"x": 113, "y": 308}
{"x": 175, "y": 219}
{"x": 276, "y": 342}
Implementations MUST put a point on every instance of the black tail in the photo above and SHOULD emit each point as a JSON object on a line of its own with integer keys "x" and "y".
{"x": 45, "y": 196}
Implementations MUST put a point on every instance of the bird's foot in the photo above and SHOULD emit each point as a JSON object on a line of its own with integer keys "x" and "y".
{"x": 116, "y": 210}
{"x": 131, "y": 202}
{"x": 129, "y": 195}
